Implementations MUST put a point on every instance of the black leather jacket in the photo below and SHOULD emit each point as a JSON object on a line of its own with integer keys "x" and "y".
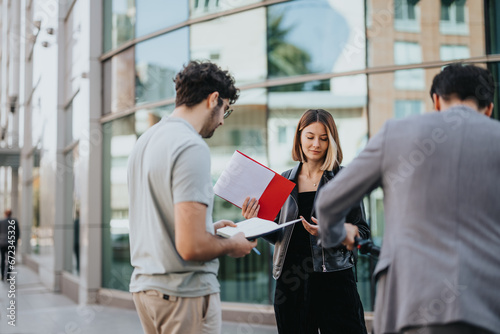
{"x": 324, "y": 259}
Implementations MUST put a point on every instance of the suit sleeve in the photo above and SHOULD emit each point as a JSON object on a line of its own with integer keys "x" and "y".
{"x": 347, "y": 189}
{"x": 357, "y": 217}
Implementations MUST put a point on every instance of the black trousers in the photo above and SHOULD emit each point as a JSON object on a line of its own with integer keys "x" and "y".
{"x": 307, "y": 301}
{"x": 3, "y": 259}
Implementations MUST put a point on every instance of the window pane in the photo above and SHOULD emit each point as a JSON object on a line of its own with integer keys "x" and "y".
{"x": 407, "y": 53}
{"x": 387, "y": 101}
{"x": 436, "y": 28}
{"x": 346, "y": 101}
{"x": 37, "y": 241}
{"x": 411, "y": 12}
{"x": 119, "y": 82}
{"x": 405, "y": 108}
{"x": 409, "y": 79}
{"x": 315, "y": 36}
{"x": 398, "y": 9}
{"x": 74, "y": 51}
{"x": 78, "y": 115}
{"x": 157, "y": 61}
{"x": 493, "y": 13}
{"x": 453, "y": 17}
{"x": 119, "y": 22}
{"x": 451, "y": 52}
{"x": 406, "y": 16}
{"x": 72, "y": 214}
{"x": 445, "y": 12}
{"x": 460, "y": 5}
{"x": 154, "y": 15}
{"x": 237, "y": 48}
{"x": 206, "y": 7}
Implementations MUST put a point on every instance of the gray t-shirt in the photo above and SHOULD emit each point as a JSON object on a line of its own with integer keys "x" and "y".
{"x": 170, "y": 163}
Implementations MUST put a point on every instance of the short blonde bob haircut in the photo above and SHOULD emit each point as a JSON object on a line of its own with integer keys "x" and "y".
{"x": 333, "y": 157}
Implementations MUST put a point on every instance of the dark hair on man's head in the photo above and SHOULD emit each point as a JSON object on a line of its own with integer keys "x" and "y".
{"x": 465, "y": 82}
{"x": 198, "y": 79}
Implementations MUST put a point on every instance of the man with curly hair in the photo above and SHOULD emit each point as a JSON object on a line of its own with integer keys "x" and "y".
{"x": 172, "y": 243}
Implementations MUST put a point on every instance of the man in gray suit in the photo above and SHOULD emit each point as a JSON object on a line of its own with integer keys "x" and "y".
{"x": 439, "y": 268}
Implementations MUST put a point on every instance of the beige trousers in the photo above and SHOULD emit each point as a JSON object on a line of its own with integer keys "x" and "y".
{"x": 161, "y": 314}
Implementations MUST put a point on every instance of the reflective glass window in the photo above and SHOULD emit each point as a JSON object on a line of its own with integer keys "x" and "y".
{"x": 206, "y": 7}
{"x": 72, "y": 180}
{"x": 240, "y": 44}
{"x": 119, "y": 137}
{"x": 495, "y": 70}
{"x": 386, "y": 101}
{"x": 346, "y": 101}
{"x": 434, "y": 23}
{"x": 454, "y": 17}
{"x": 119, "y": 23}
{"x": 154, "y": 15}
{"x": 315, "y": 36}
{"x": 493, "y": 15}
{"x": 451, "y": 52}
{"x": 119, "y": 80}
{"x": 36, "y": 237}
{"x": 72, "y": 211}
{"x": 408, "y": 53}
{"x": 74, "y": 51}
{"x": 157, "y": 61}
{"x": 405, "y": 108}
{"x": 407, "y": 15}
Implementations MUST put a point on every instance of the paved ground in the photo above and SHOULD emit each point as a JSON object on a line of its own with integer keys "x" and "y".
{"x": 40, "y": 311}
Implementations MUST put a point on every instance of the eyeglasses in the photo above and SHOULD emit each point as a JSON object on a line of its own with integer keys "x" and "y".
{"x": 227, "y": 112}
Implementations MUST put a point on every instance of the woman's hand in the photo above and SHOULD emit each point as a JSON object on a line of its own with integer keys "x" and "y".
{"x": 312, "y": 229}
{"x": 223, "y": 223}
{"x": 250, "y": 208}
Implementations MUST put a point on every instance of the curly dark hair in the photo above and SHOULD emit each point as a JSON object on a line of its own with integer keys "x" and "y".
{"x": 198, "y": 79}
{"x": 466, "y": 82}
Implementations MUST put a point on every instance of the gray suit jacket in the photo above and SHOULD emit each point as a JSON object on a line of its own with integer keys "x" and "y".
{"x": 440, "y": 259}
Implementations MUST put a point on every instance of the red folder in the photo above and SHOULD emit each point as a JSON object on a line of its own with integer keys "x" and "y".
{"x": 274, "y": 196}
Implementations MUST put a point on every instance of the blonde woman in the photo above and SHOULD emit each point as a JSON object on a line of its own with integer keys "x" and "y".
{"x": 315, "y": 286}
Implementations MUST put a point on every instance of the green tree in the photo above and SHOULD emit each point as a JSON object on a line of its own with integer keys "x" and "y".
{"x": 283, "y": 58}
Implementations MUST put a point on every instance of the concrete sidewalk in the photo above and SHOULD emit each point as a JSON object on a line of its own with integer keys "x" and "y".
{"x": 40, "y": 311}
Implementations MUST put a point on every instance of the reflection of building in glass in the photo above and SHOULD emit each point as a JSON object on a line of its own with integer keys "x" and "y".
{"x": 419, "y": 31}
{"x": 364, "y": 65}
{"x": 153, "y": 82}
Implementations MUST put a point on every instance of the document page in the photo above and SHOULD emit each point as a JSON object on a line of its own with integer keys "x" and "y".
{"x": 242, "y": 178}
{"x": 253, "y": 228}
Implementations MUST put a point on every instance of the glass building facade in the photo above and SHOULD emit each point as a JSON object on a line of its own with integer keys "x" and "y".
{"x": 363, "y": 61}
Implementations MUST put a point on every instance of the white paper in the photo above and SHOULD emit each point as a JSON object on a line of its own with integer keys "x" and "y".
{"x": 253, "y": 227}
{"x": 242, "y": 178}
